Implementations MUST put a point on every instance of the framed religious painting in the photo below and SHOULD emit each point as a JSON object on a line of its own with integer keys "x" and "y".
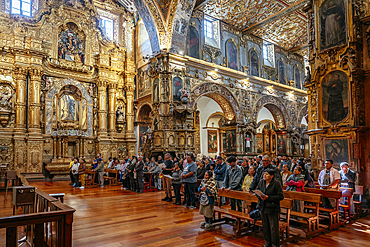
{"x": 281, "y": 72}
{"x": 230, "y": 141}
{"x": 254, "y": 63}
{"x": 193, "y": 44}
{"x": 332, "y": 24}
{"x": 335, "y": 102}
{"x": 212, "y": 141}
{"x": 176, "y": 89}
{"x": 143, "y": 135}
{"x": 224, "y": 142}
{"x": 259, "y": 143}
{"x": 232, "y": 54}
{"x": 337, "y": 149}
{"x": 281, "y": 144}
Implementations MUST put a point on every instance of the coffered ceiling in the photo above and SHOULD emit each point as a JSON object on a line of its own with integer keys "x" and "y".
{"x": 280, "y": 21}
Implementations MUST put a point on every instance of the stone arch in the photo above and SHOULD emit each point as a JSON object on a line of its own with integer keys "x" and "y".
{"x": 303, "y": 111}
{"x": 49, "y": 102}
{"x": 276, "y": 107}
{"x": 221, "y": 95}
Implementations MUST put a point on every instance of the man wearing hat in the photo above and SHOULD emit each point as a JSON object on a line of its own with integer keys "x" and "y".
{"x": 219, "y": 171}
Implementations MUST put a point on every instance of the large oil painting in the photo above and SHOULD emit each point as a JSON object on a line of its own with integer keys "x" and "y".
{"x": 281, "y": 68}
{"x": 232, "y": 55}
{"x": 212, "y": 141}
{"x": 177, "y": 87}
{"x": 230, "y": 141}
{"x": 337, "y": 150}
{"x": 335, "y": 96}
{"x": 254, "y": 63}
{"x": 143, "y": 80}
{"x": 281, "y": 144}
{"x": 71, "y": 45}
{"x": 297, "y": 77}
{"x": 259, "y": 143}
{"x": 333, "y": 30}
{"x": 193, "y": 42}
{"x": 143, "y": 135}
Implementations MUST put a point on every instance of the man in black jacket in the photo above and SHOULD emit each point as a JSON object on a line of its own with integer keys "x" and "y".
{"x": 266, "y": 164}
{"x": 140, "y": 174}
{"x": 269, "y": 206}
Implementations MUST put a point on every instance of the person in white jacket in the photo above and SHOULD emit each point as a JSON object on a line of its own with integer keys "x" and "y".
{"x": 75, "y": 166}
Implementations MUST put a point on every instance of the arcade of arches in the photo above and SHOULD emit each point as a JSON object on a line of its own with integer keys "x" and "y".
{"x": 81, "y": 77}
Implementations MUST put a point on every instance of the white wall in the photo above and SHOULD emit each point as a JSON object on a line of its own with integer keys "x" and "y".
{"x": 264, "y": 114}
{"x": 207, "y": 107}
{"x": 304, "y": 122}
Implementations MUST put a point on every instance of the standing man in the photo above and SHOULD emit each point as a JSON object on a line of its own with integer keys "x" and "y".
{"x": 100, "y": 170}
{"x": 259, "y": 160}
{"x": 329, "y": 179}
{"x": 220, "y": 171}
{"x": 70, "y": 171}
{"x": 167, "y": 170}
{"x": 266, "y": 164}
{"x": 189, "y": 177}
{"x": 285, "y": 161}
{"x": 233, "y": 181}
{"x": 140, "y": 174}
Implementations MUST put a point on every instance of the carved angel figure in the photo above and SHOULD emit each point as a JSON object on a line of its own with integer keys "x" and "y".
{"x": 5, "y": 101}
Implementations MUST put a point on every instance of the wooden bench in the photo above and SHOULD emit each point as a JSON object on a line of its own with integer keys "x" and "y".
{"x": 312, "y": 218}
{"x": 347, "y": 193}
{"x": 333, "y": 212}
{"x": 90, "y": 178}
{"x": 358, "y": 203}
{"x": 112, "y": 180}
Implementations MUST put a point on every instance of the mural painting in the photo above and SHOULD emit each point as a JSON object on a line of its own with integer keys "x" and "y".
{"x": 337, "y": 150}
{"x": 259, "y": 143}
{"x": 232, "y": 56}
{"x": 177, "y": 87}
{"x": 156, "y": 90}
{"x": 332, "y": 24}
{"x": 281, "y": 68}
{"x": 281, "y": 144}
{"x": 297, "y": 77}
{"x": 193, "y": 42}
{"x": 70, "y": 46}
{"x": 212, "y": 141}
{"x": 335, "y": 96}
{"x": 254, "y": 64}
{"x": 230, "y": 141}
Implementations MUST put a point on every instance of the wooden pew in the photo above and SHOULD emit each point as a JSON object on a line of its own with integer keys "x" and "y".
{"x": 333, "y": 213}
{"x": 90, "y": 178}
{"x": 312, "y": 218}
{"x": 358, "y": 203}
{"x": 112, "y": 180}
{"x": 347, "y": 193}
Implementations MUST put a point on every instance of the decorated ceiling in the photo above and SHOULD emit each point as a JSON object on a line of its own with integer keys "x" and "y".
{"x": 288, "y": 30}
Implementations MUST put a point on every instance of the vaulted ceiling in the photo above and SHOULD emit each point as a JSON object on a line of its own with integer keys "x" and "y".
{"x": 280, "y": 21}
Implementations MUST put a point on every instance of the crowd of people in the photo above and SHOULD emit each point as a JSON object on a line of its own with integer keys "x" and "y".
{"x": 246, "y": 174}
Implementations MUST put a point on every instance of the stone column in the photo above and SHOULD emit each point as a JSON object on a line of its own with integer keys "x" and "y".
{"x": 102, "y": 112}
{"x": 112, "y": 111}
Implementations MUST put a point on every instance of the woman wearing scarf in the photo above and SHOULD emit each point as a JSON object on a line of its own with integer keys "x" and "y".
{"x": 208, "y": 196}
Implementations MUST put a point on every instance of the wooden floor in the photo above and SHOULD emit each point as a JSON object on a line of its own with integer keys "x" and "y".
{"x": 113, "y": 217}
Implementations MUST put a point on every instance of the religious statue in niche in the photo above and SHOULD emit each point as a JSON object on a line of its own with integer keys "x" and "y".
{"x": 232, "y": 56}
{"x": 212, "y": 141}
{"x": 91, "y": 89}
{"x": 335, "y": 96}
{"x": 6, "y": 98}
{"x": 193, "y": 42}
{"x": 156, "y": 90}
{"x": 120, "y": 114}
{"x": 254, "y": 64}
{"x": 281, "y": 68}
{"x": 70, "y": 46}
{"x": 332, "y": 24}
{"x": 337, "y": 150}
{"x": 143, "y": 134}
{"x": 177, "y": 88}
{"x": 46, "y": 82}
{"x": 297, "y": 77}
{"x": 231, "y": 138}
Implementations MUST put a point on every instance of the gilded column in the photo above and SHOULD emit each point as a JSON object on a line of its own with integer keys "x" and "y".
{"x": 102, "y": 112}
{"x": 34, "y": 99}
{"x": 111, "y": 111}
{"x": 130, "y": 88}
{"x": 20, "y": 76}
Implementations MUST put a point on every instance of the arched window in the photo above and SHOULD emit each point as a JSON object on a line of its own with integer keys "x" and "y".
{"x": 254, "y": 62}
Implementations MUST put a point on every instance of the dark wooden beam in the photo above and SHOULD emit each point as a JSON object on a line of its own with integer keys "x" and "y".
{"x": 284, "y": 12}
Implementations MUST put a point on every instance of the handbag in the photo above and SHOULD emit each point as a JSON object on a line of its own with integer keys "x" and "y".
{"x": 203, "y": 200}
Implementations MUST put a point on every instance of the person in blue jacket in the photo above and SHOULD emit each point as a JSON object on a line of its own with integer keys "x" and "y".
{"x": 220, "y": 170}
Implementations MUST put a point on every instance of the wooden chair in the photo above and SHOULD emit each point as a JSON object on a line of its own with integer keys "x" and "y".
{"x": 112, "y": 180}
{"x": 347, "y": 193}
{"x": 11, "y": 176}
{"x": 90, "y": 178}
{"x": 358, "y": 203}
{"x": 312, "y": 218}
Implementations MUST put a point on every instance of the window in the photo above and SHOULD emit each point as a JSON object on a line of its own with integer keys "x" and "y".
{"x": 208, "y": 29}
{"x": 21, "y": 7}
{"x": 268, "y": 54}
{"x": 108, "y": 26}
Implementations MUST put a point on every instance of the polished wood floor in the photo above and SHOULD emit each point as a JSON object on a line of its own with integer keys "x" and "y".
{"x": 113, "y": 217}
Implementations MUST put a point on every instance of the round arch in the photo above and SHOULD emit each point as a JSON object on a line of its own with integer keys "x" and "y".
{"x": 221, "y": 95}
{"x": 277, "y": 109}
{"x": 143, "y": 113}
{"x": 303, "y": 111}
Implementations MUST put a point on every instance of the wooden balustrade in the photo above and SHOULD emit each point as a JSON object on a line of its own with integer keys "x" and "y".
{"x": 50, "y": 224}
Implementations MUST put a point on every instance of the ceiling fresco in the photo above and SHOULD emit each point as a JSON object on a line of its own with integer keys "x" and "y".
{"x": 288, "y": 31}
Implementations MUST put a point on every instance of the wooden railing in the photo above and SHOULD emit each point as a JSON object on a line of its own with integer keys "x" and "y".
{"x": 50, "y": 223}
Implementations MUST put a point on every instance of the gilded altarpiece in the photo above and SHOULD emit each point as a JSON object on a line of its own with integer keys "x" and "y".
{"x": 65, "y": 89}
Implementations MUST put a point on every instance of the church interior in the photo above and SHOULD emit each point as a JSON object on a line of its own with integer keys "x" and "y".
{"x": 130, "y": 79}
